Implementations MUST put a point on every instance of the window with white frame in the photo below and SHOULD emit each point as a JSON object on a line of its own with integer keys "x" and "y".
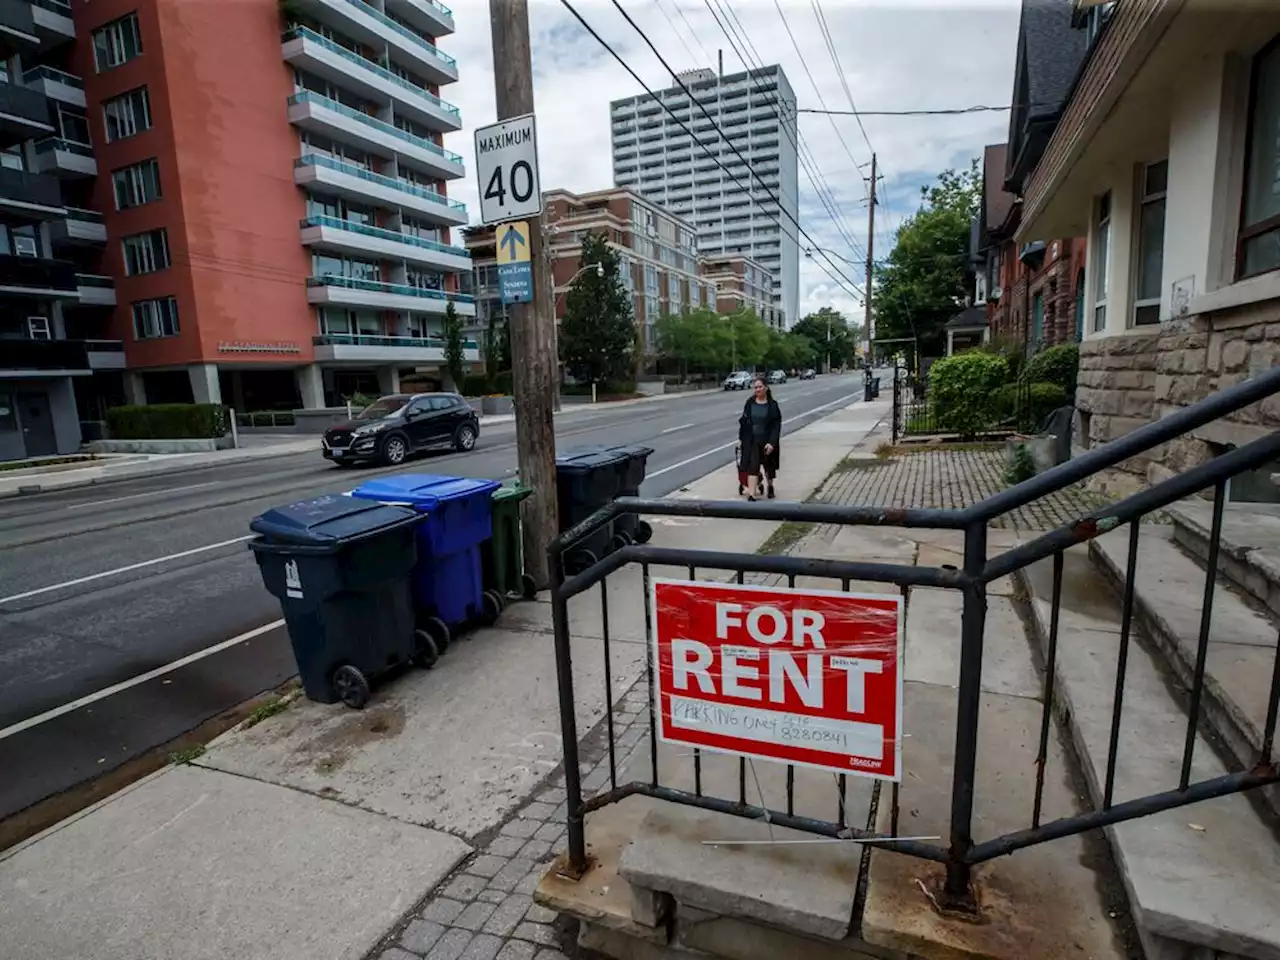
{"x": 38, "y": 328}
{"x": 1153, "y": 181}
{"x": 137, "y": 184}
{"x": 146, "y": 252}
{"x": 1260, "y": 218}
{"x": 1101, "y": 258}
{"x": 127, "y": 115}
{"x": 157, "y": 318}
{"x": 117, "y": 42}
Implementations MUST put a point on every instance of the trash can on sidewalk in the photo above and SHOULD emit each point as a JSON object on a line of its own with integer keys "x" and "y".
{"x": 587, "y": 480}
{"x": 341, "y": 570}
{"x": 455, "y": 515}
{"x": 627, "y": 528}
{"x": 502, "y": 555}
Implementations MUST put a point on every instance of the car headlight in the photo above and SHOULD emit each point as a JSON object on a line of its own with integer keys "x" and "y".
{"x": 370, "y": 430}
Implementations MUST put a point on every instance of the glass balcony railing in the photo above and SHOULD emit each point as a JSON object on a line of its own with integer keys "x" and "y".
{"x": 57, "y": 6}
{"x": 308, "y": 96}
{"x": 67, "y": 146}
{"x": 378, "y": 340}
{"x": 391, "y": 183}
{"x": 94, "y": 280}
{"x": 377, "y": 286}
{"x": 89, "y": 216}
{"x": 441, "y": 7}
{"x": 312, "y": 37}
{"x": 404, "y": 31}
{"x": 382, "y": 234}
{"x": 33, "y": 76}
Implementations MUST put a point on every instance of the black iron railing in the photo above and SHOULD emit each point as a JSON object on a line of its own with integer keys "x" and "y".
{"x": 960, "y": 854}
{"x": 1015, "y": 409}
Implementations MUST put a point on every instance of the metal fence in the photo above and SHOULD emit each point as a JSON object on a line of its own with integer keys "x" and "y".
{"x": 961, "y": 853}
{"x": 1014, "y": 410}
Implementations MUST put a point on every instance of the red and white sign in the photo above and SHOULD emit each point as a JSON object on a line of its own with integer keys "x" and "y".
{"x": 810, "y": 677}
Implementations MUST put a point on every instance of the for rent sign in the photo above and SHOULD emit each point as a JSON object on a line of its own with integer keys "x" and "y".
{"x": 810, "y": 677}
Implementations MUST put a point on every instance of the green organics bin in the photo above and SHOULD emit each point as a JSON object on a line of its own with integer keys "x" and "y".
{"x": 502, "y": 555}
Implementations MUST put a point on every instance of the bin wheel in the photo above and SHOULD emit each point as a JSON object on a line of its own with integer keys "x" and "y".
{"x": 438, "y": 630}
{"x": 580, "y": 560}
{"x": 350, "y": 686}
{"x": 644, "y": 532}
{"x": 425, "y": 652}
{"x": 491, "y": 607}
{"x": 619, "y": 541}
{"x": 528, "y": 586}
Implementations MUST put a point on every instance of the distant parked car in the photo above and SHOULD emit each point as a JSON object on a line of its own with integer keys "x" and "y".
{"x": 389, "y": 430}
{"x": 738, "y": 380}
{"x": 778, "y": 376}
{"x": 809, "y": 374}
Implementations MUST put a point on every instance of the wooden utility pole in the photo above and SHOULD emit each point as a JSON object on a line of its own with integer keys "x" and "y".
{"x": 871, "y": 259}
{"x": 531, "y": 325}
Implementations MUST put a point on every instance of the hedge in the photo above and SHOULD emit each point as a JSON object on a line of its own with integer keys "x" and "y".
{"x": 963, "y": 391}
{"x": 1058, "y": 364}
{"x": 1027, "y": 407}
{"x": 168, "y": 421}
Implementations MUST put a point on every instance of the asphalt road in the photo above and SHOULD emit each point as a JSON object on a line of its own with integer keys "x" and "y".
{"x": 100, "y": 586}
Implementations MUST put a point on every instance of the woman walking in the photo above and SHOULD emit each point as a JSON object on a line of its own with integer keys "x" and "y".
{"x": 759, "y": 433}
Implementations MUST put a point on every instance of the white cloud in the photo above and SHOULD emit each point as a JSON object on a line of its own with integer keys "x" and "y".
{"x": 896, "y": 54}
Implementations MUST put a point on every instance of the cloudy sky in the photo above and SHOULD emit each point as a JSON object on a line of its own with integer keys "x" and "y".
{"x": 895, "y": 54}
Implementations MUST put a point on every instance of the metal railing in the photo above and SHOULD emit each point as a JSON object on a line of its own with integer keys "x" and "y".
{"x": 391, "y": 183}
{"x": 379, "y": 340}
{"x": 379, "y": 286}
{"x": 391, "y": 130}
{"x": 306, "y": 33}
{"x": 35, "y": 74}
{"x": 960, "y": 854}
{"x": 404, "y": 31}
{"x": 64, "y": 145}
{"x": 88, "y": 216}
{"x": 1014, "y": 409}
{"x": 382, "y": 234}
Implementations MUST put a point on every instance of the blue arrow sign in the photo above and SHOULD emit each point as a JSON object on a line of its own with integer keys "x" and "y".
{"x": 512, "y": 239}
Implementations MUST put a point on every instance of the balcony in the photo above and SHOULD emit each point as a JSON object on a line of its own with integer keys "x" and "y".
{"x": 79, "y": 228}
{"x": 24, "y": 114}
{"x": 31, "y": 196}
{"x": 17, "y": 28}
{"x": 368, "y": 348}
{"x": 368, "y": 26}
{"x": 56, "y": 85}
{"x": 331, "y": 61}
{"x": 364, "y": 186}
{"x": 105, "y": 354}
{"x": 329, "y": 118}
{"x": 96, "y": 290}
{"x": 44, "y": 358}
{"x": 429, "y": 16}
{"x": 37, "y": 277}
{"x": 344, "y": 237}
{"x": 349, "y": 292}
{"x": 53, "y": 23}
{"x": 65, "y": 158}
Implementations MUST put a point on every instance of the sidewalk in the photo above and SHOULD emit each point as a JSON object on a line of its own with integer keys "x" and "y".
{"x": 416, "y": 828}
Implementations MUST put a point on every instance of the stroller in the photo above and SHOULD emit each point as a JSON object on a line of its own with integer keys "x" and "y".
{"x": 743, "y": 478}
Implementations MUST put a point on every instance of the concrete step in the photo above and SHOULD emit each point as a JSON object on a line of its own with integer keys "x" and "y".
{"x": 1199, "y": 878}
{"x": 1168, "y": 598}
{"x": 1249, "y": 551}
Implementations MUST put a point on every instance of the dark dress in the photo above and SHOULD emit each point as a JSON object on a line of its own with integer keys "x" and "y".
{"x": 755, "y": 431}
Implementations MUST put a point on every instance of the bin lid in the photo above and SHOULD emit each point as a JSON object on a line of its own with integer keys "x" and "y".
{"x": 515, "y": 491}
{"x": 423, "y": 490}
{"x": 585, "y": 459}
{"x": 329, "y": 521}
{"x": 633, "y": 451}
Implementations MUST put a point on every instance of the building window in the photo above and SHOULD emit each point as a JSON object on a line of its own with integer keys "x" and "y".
{"x": 137, "y": 184}
{"x": 1260, "y": 221}
{"x": 1097, "y": 18}
{"x": 1036, "y": 335}
{"x": 155, "y": 318}
{"x": 1150, "y": 252}
{"x": 117, "y": 42}
{"x": 146, "y": 252}
{"x": 127, "y": 114}
{"x": 1101, "y": 256}
{"x": 73, "y": 125}
{"x": 1079, "y": 306}
{"x": 38, "y": 328}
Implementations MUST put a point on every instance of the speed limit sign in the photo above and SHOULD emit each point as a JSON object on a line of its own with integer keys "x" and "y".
{"x": 507, "y": 169}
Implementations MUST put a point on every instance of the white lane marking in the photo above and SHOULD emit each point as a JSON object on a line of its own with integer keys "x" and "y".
{"x": 726, "y": 446}
{"x": 115, "y": 688}
{"x": 683, "y": 426}
{"x": 118, "y": 570}
{"x": 135, "y": 496}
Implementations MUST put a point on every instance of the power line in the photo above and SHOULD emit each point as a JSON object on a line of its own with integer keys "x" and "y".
{"x": 940, "y": 112}
{"x": 688, "y": 49}
{"x": 685, "y": 127}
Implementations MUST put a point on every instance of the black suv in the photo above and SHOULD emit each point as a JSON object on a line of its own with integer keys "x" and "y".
{"x": 390, "y": 429}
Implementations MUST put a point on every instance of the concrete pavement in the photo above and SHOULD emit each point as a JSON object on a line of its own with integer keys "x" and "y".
{"x": 446, "y": 756}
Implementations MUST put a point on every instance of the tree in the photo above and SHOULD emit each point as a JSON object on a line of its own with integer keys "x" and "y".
{"x": 598, "y": 332}
{"x": 691, "y": 340}
{"x": 748, "y": 339}
{"x": 921, "y": 286}
{"x": 453, "y": 345}
{"x": 829, "y": 336}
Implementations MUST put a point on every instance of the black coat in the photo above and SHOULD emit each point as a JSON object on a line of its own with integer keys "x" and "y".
{"x": 772, "y": 432}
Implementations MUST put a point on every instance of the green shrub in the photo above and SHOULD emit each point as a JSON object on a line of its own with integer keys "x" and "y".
{"x": 1021, "y": 466}
{"x": 963, "y": 391}
{"x": 476, "y": 385}
{"x": 1045, "y": 398}
{"x": 168, "y": 421}
{"x": 502, "y": 383}
{"x": 1057, "y": 364}
{"x": 1025, "y": 407}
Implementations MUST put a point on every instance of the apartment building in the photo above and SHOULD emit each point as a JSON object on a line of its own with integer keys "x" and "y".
{"x": 254, "y": 194}
{"x": 750, "y": 119}
{"x": 742, "y": 283}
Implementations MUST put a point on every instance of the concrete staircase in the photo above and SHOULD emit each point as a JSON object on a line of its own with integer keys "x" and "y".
{"x": 1203, "y": 881}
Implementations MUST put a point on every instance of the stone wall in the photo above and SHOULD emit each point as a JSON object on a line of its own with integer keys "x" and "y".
{"x": 1115, "y": 394}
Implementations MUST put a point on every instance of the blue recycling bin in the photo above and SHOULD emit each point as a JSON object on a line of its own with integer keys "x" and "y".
{"x": 454, "y": 518}
{"x": 627, "y": 528}
{"x": 341, "y": 570}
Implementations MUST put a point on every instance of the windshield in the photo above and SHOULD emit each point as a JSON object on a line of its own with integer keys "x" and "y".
{"x": 382, "y": 408}
{"x": 739, "y": 375}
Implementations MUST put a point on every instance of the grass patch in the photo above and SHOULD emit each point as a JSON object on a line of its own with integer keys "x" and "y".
{"x": 263, "y": 711}
{"x": 885, "y": 450}
{"x": 187, "y": 755}
{"x": 784, "y": 538}
{"x": 44, "y": 462}
{"x": 972, "y": 446}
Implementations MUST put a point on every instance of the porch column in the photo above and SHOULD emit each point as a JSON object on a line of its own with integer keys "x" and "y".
{"x": 389, "y": 380}
{"x": 204, "y": 383}
{"x": 310, "y": 386}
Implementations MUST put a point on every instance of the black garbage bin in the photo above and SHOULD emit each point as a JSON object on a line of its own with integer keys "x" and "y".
{"x": 628, "y": 528}
{"x": 342, "y": 571}
{"x": 586, "y": 480}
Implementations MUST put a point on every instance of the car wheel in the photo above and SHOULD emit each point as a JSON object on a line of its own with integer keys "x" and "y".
{"x": 394, "y": 450}
{"x": 464, "y": 438}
